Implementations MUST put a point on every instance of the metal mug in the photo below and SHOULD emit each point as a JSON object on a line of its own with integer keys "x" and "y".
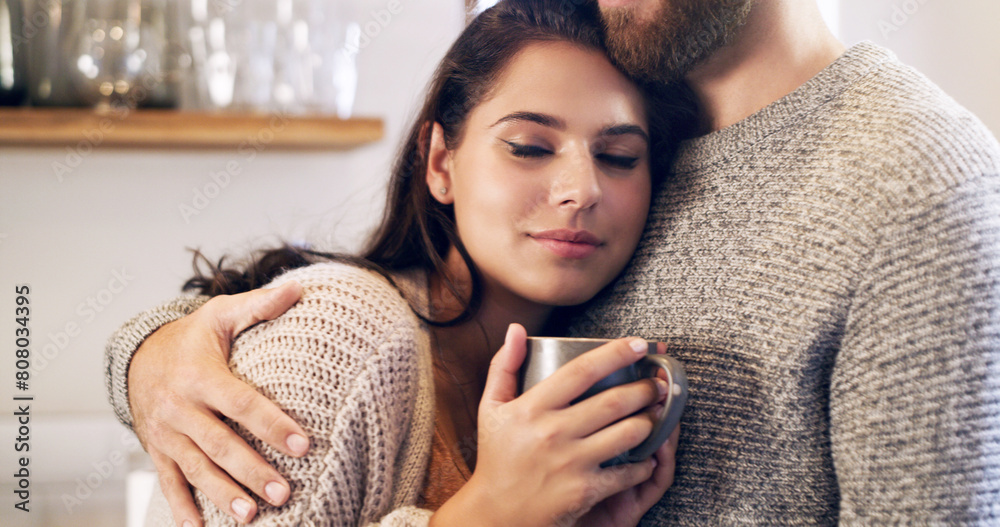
{"x": 546, "y": 354}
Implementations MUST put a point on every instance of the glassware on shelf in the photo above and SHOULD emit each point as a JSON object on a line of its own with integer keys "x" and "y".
{"x": 123, "y": 53}
{"x": 105, "y": 56}
{"x": 13, "y": 54}
{"x": 47, "y": 30}
{"x": 335, "y": 61}
{"x": 159, "y": 38}
{"x": 207, "y": 58}
{"x": 292, "y": 56}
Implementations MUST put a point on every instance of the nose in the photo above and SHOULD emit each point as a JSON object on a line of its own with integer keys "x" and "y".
{"x": 577, "y": 185}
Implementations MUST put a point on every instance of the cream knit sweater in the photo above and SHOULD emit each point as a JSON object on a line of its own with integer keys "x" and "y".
{"x": 350, "y": 363}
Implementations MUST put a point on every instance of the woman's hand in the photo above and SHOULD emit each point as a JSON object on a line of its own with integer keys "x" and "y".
{"x": 539, "y": 458}
{"x": 628, "y": 506}
{"x": 180, "y": 384}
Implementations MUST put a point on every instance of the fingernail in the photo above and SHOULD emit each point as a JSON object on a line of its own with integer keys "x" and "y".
{"x": 297, "y": 444}
{"x": 510, "y": 331}
{"x": 276, "y": 492}
{"x": 639, "y": 345}
{"x": 662, "y": 386}
{"x": 241, "y": 507}
{"x": 187, "y": 523}
{"x": 654, "y": 461}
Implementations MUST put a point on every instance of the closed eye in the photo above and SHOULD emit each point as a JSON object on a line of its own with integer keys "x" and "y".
{"x": 626, "y": 162}
{"x": 520, "y": 150}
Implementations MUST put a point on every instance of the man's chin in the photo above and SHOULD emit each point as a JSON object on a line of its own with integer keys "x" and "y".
{"x": 673, "y": 37}
{"x": 636, "y": 46}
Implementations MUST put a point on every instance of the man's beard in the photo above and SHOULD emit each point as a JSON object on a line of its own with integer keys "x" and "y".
{"x": 683, "y": 34}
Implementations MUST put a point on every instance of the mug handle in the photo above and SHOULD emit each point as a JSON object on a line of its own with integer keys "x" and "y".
{"x": 672, "y": 408}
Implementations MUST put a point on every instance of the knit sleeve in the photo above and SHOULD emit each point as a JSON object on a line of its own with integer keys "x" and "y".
{"x": 915, "y": 392}
{"x": 127, "y": 339}
{"x": 347, "y": 363}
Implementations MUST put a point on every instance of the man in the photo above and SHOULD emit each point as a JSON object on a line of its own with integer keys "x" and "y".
{"x": 824, "y": 260}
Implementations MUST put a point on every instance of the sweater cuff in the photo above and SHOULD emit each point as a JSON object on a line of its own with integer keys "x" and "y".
{"x": 127, "y": 339}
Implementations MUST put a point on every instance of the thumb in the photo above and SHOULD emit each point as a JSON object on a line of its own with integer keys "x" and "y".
{"x": 501, "y": 381}
{"x": 238, "y": 312}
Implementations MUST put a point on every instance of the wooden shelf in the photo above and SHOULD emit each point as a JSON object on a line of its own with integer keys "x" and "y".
{"x": 172, "y": 128}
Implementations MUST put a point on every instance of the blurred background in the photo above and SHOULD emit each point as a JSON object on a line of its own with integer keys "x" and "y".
{"x": 99, "y": 232}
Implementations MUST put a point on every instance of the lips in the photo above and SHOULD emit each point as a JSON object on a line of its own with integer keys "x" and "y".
{"x": 567, "y": 243}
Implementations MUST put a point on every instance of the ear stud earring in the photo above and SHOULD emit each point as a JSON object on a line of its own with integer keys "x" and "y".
{"x": 443, "y": 190}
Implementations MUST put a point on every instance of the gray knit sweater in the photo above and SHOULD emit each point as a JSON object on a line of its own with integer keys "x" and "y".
{"x": 829, "y": 272}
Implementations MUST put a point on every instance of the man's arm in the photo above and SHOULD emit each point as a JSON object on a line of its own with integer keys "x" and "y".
{"x": 126, "y": 340}
{"x": 174, "y": 387}
{"x": 915, "y": 394}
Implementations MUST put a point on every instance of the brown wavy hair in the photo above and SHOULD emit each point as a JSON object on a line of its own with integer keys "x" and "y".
{"x": 416, "y": 230}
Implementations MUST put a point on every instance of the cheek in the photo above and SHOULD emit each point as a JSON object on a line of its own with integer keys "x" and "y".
{"x": 630, "y": 206}
{"x": 490, "y": 204}
{"x": 495, "y": 193}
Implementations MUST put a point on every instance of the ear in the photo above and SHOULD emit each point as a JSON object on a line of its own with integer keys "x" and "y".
{"x": 439, "y": 167}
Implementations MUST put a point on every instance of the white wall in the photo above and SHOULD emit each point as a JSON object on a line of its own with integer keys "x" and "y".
{"x": 118, "y": 212}
{"x": 956, "y": 43}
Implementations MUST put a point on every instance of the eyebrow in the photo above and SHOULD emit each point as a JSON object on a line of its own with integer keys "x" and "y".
{"x": 534, "y": 117}
{"x": 557, "y": 123}
{"x": 626, "y": 129}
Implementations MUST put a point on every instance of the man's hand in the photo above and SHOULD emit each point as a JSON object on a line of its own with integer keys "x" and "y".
{"x": 179, "y": 384}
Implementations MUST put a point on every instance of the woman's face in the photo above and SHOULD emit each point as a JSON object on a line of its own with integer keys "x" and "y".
{"x": 550, "y": 182}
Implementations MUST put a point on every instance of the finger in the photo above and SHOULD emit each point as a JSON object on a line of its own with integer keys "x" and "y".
{"x": 235, "y": 313}
{"x": 175, "y": 489}
{"x": 579, "y": 374}
{"x": 501, "y": 380}
{"x": 215, "y": 484}
{"x": 616, "y": 439}
{"x": 614, "y": 479}
{"x": 233, "y": 455}
{"x": 258, "y": 414}
{"x": 602, "y": 409}
{"x": 650, "y": 491}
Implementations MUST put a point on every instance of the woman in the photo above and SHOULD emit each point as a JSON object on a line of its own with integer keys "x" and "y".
{"x": 522, "y": 188}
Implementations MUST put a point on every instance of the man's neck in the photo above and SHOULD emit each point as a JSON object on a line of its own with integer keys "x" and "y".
{"x": 783, "y": 44}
